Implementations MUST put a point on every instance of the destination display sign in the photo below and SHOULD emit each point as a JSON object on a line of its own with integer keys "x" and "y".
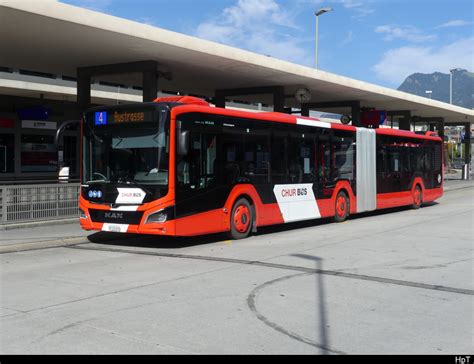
{"x": 121, "y": 116}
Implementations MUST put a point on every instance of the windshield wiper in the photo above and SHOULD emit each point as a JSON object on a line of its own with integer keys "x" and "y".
{"x": 97, "y": 181}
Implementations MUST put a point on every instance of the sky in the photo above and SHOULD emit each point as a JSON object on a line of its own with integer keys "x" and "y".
{"x": 377, "y": 41}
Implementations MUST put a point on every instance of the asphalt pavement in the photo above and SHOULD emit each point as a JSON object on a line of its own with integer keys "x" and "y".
{"x": 397, "y": 281}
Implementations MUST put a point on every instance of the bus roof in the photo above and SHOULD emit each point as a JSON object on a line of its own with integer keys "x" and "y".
{"x": 195, "y": 104}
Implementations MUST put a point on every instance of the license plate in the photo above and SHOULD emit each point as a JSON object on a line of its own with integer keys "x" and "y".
{"x": 114, "y": 229}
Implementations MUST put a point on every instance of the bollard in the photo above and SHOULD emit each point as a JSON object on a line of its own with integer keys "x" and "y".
{"x": 466, "y": 172}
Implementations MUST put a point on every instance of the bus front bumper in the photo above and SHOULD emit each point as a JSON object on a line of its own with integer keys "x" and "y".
{"x": 156, "y": 221}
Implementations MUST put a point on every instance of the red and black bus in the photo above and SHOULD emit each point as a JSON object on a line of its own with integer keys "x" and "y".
{"x": 178, "y": 166}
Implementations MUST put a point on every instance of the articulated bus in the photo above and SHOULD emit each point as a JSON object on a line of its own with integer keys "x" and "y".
{"x": 179, "y": 167}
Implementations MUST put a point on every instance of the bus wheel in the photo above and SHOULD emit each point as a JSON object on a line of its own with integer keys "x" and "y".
{"x": 241, "y": 220}
{"x": 342, "y": 207}
{"x": 417, "y": 197}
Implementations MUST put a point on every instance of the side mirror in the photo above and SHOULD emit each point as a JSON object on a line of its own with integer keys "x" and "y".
{"x": 63, "y": 127}
{"x": 183, "y": 143}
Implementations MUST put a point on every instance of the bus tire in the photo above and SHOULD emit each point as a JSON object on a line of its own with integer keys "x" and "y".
{"x": 342, "y": 207}
{"x": 241, "y": 220}
{"x": 417, "y": 197}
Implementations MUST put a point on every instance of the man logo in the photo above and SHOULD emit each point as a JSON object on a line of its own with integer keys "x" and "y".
{"x": 113, "y": 215}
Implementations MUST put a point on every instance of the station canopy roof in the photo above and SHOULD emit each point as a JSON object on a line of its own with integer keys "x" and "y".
{"x": 52, "y": 37}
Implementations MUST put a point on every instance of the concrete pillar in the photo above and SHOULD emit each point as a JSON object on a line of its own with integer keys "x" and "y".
{"x": 440, "y": 128}
{"x": 150, "y": 85}
{"x": 467, "y": 149}
{"x": 83, "y": 90}
{"x": 405, "y": 122}
{"x": 17, "y": 151}
{"x": 305, "y": 110}
{"x": 355, "y": 112}
{"x": 279, "y": 99}
{"x": 148, "y": 69}
{"x": 219, "y": 99}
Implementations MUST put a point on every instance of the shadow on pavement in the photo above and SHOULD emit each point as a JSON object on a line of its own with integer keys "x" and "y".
{"x": 152, "y": 241}
{"x": 321, "y": 303}
{"x": 169, "y": 242}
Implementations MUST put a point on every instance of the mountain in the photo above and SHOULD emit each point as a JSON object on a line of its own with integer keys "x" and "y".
{"x": 463, "y": 87}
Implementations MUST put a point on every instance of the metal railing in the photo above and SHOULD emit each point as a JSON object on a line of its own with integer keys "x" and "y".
{"x": 30, "y": 203}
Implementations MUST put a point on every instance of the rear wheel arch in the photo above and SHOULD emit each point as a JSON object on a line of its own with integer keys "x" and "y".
{"x": 248, "y": 192}
{"x": 418, "y": 181}
{"x": 346, "y": 187}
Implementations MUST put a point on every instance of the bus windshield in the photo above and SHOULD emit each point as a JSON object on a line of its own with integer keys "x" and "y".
{"x": 134, "y": 152}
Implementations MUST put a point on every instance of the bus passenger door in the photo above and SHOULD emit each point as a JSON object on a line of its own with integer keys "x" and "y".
{"x": 200, "y": 193}
{"x": 325, "y": 178}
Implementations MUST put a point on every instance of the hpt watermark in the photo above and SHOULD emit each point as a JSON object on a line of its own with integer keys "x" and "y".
{"x": 466, "y": 359}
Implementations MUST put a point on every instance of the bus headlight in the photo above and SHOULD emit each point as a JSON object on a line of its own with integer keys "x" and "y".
{"x": 157, "y": 217}
{"x": 82, "y": 214}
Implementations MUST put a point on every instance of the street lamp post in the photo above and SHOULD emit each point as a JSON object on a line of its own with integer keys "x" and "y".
{"x": 318, "y": 13}
{"x": 451, "y": 83}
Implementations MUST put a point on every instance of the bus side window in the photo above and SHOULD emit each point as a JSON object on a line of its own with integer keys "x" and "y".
{"x": 380, "y": 163}
{"x": 231, "y": 162}
{"x": 324, "y": 172}
{"x": 279, "y": 155}
{"x": 295, "y": 163}
{"x": 197, "y": 169}
{"x": 395, "y": 157}
{"x": 257, "y": 156}
{"x": 344, "y": 153}
{"x": 301, "y": 156}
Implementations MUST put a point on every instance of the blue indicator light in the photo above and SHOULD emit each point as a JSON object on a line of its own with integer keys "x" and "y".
{"x": 101, "y": 118}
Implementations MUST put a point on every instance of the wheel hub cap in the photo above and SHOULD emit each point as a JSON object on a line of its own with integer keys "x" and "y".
{"x": 241, "y": 219}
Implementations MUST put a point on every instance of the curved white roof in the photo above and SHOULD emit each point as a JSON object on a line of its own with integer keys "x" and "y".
{"x": 49, "y": 36}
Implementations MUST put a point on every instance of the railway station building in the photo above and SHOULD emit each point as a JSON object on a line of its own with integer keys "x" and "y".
{"x": 58, "y": 60}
